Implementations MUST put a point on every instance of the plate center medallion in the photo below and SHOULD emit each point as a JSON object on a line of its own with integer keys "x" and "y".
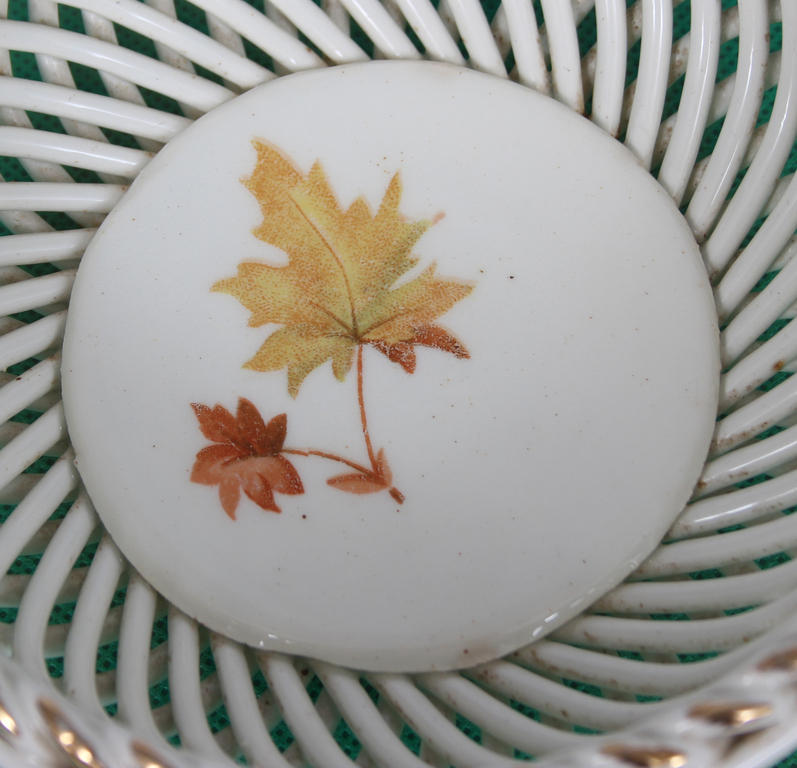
{"x": 396, "y": 365}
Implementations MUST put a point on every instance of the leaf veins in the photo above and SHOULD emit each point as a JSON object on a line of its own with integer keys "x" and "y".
{"x": 336, "y": 291}
{"x": 246, "y": 455}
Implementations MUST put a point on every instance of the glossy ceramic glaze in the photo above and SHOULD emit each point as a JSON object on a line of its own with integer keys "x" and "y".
{"x": 403, "y": 393}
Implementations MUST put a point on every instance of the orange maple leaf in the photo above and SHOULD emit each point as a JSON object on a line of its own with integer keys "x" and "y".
{"x": 246, "y": 455}
{"x": 338, "y": 289}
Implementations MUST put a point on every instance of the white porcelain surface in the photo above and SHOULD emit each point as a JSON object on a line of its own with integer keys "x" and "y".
{"x": 545, "y": 441}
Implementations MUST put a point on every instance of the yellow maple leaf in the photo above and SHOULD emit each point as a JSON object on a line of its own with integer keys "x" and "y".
{"x": 336, "y": 292}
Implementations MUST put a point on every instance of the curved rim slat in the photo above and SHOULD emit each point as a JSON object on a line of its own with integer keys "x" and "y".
{"x": 680, "y": 637}
{"x": 30, "y": 647}
{"x": 103, "y": 111}
{"x": 742, "y": 113}
{"x": 239, "y": 697}
{"x": 36, "y": 196}
{"x": 689, "y": 596}
{"x": 362, "y": 715}
{"x": 526, "y": 45}
{"x": 32, "y": 340}
{"x": 300, "y": 713}
{"x": 133, "y": 665}
{"x": 184, "y": 686}
{"x": 610, "y": 65}
{"x": 739, "y": 506}
{"x": 37, "y": 506}
{"x": 475, "y": 31}
{"x": 741, "y": 546}
{"x": 137, "y": 68}
{"x": 759, "y": 314}
{"x": 755, "y": 188}
{"x": 742, "y": 464}
{"x": 443, "y": 736}
{"x": 701, "y": 72}
{"x": 506, "y": 724}
{"x": 562, "y": 39}
{"x": 388, "y": 38}
{"x": 305, "y": 14}
{"x": 36, "y": 292}
{"x": 767, "y": 243}
{"x": 44, "y": 247}
{"x": 632, "y": 676}
{"x": 180, "y": 38}
{"x": 80, "y": 653}
{"x": 651, "y": 83}
{"x": 428, "y": 26}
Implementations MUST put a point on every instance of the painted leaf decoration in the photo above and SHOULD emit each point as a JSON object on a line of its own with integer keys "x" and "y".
{"x": 337, "y": 290}
{"x": 361, "y": 482}
{"x": 382, "y": 468}
{"x": 246, "y": 455}
{"x": 357, "y": 483}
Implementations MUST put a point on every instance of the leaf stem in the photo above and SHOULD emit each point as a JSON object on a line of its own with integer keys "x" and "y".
{"x": 374, "y": 472}
{"x": 330, "y": 456}
{"x": 393, "y": 491}
{"x": 361, "y": 399}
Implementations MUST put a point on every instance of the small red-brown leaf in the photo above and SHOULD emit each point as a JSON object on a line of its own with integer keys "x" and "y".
{"x": 276, "y": 430}
{"x": 230, "y": 494}
{"x": 383, "y": 468}
{"x": 284, "y": 478}
{"x": 401, "y": 353}
{"x": 210, "y": 463}
{"x": 439, "y": 338}
{"x": 251, "y": 425}
{"x": 357, "y": 483}
{"x": 259, "y": 490}
{"x": 217, "y": 424}
{"x": 245, "y": 456}
{"x": 280, "y": 473}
